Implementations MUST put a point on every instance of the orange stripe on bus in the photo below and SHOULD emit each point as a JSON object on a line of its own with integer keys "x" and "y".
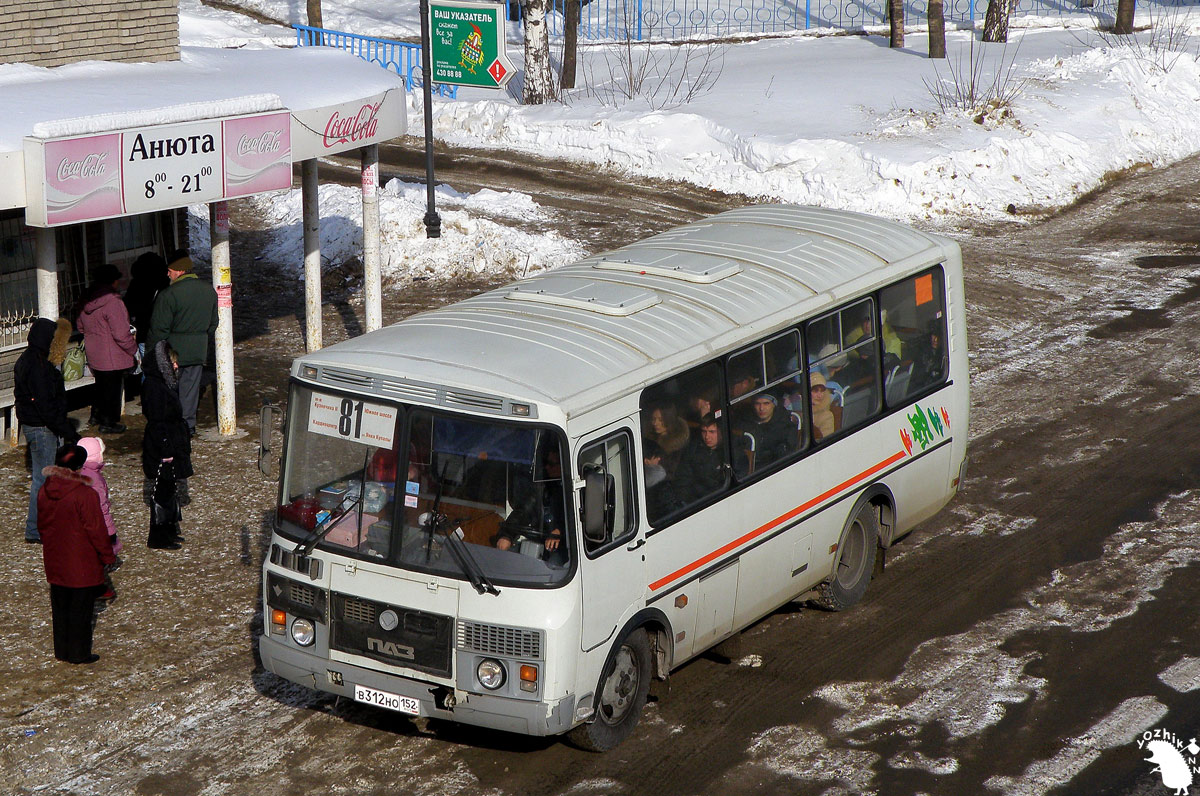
{"x": 760, "y": 530}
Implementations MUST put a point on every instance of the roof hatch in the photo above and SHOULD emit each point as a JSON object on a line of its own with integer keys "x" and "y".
{"x": 701, "y": 269}
{"x": 606, "y": 298}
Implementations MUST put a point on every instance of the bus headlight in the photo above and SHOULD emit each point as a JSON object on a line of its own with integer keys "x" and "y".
{"x": 490, "y": 673}
{"x": 303, "y": 632}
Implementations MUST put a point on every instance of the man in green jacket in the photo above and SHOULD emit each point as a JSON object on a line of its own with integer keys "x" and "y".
{"x": 185, "y": 315}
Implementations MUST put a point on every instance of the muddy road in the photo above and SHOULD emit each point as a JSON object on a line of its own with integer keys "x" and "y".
{"x": 1017, "y": 643}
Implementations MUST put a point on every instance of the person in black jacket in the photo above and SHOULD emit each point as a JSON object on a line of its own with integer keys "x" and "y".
{"x": 166, "y": 448}
{"x": 703, "y": 469}
{"x": 41, "y": 402}
{"x": 148, "y": 275}
{"x": 774, "y": 435}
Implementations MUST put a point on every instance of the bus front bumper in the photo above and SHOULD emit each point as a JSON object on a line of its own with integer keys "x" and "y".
{"x": 481, "y": 710}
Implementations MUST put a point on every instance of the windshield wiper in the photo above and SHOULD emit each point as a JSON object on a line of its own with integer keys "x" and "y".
{"x": 466, "y": 560}
{"x": 434, "y": 513}
{"x": 321, "y": 530}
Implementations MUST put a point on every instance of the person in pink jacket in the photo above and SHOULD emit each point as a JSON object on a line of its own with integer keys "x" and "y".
{"x": 109, "y": 343}
{"x": 93, "y": 468}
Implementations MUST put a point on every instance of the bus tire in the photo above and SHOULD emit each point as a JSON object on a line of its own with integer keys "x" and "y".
{"x": 857, "y": 550}
{"x": 621, "y": 696}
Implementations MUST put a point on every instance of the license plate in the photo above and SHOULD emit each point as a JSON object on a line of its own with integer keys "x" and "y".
{"x": 385, "y": 699}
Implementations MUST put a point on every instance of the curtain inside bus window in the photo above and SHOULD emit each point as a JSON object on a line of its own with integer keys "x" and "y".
{"x": 475, "y": 440}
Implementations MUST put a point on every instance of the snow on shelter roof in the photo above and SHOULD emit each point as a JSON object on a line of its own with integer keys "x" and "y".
{"x": 577, "y": 335}
{"x": 94, "y": 96}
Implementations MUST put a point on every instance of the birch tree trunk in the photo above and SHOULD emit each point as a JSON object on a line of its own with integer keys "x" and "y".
{"x": 995, "y": 23}
{"x": 539, "y": 78}
{"x": 937, "y": 29}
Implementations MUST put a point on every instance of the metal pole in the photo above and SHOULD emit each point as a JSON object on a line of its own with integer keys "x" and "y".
{"x": 372, "y": 278}
{"x": 433, "y": 223}
{"x": 46, "y": 256}
{"x": 222, "y": 278}
{"x": 312, "y": 255}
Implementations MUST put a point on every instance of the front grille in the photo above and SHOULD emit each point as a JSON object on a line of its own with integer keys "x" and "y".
{"x": 408, "y": 390}
{"x": 405, "y": 390}
{"x": 475, "y": 401}
{"x": 345, "y": 377}
{"x": 420, "y": 640}
{"x": 303, "y": 594}
{"x": 511, "y": 642}
{"x": 295, "y": 597}
{"x": 359, "y": 611}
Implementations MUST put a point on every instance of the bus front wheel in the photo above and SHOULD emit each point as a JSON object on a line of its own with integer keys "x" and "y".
{"x": 855, "y": 562}
{"x": 623, "y": 691}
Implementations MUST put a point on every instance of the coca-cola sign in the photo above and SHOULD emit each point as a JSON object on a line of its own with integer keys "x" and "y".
{"x": 139, "y": 170}
{"x": 266, "y": 143}
{"x": 90, "y": 165}
{"x": 352, "y": 129}
{"x": 345, "y": 126}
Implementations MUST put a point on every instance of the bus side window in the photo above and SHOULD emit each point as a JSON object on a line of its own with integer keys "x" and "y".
{"x": 859, "y": 379}
{"x": 916, "y": 313}
{"x": 612, "y": 457}
{"x": 685, "y": 436}
{"x": 768, "y": 420}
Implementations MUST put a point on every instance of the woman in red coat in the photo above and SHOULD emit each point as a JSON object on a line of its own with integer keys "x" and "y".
{"x": 76, "y": 548}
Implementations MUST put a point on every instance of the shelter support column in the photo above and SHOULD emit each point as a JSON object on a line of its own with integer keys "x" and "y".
{"x": 46, "y": 257}
{"x": 218, "y": 219}
{"x": 372, "y": 277}
{"x": 312, "y": 255}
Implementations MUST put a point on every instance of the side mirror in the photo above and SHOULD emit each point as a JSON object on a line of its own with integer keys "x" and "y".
{"x": 597, "y": 504}
{"x": 267, "y": 460}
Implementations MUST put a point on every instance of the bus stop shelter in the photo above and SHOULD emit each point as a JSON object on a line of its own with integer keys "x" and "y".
{"x": 99, "y": 140}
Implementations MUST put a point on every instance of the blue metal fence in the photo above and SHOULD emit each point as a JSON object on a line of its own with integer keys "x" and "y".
{"x": 659, "y": 20}
{"x": 400, "y": 57}
{"x": 680, "y": 19}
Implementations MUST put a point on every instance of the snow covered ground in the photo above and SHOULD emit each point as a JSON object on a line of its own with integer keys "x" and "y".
{"x": 834, "y": 120}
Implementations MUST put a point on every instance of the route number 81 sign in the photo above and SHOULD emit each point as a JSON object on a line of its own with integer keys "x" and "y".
{"x": 352, "y": 419}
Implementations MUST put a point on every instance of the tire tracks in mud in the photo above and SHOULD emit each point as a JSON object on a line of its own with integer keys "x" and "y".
{"x": 602, "y": 210}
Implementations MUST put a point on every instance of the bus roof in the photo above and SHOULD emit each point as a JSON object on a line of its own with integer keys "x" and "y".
{"x": 581, "y": 334}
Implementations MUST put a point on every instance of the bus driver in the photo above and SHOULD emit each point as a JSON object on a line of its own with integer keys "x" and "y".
{"x": 538, "y": 515}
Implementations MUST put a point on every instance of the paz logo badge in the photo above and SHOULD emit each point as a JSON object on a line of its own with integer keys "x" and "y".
{"x": 1172, "y": 759}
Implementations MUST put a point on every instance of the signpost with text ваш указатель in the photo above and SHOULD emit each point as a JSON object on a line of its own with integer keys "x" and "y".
{"x": 467, "y": 44}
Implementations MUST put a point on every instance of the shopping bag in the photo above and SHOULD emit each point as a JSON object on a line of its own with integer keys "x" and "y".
{"x": 74, "y": 363}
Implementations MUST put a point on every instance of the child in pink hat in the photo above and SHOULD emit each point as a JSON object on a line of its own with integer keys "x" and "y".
{"x": 92, "y": 469}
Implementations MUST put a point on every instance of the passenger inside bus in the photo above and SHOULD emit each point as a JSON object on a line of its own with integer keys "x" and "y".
{"x": 703, "y": 468}
{"x": 826, "y": 417}
{"x": 535, "y": 524}
{"x": 931, "y": 361}
{"x": 652, "y": 457}
{"x": 773, "y": 432}
{"x": 670, "y": 431}
{"x": 702, "y": 402}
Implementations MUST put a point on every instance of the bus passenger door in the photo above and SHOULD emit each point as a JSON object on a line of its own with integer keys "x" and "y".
{"x": 611, "y": 568}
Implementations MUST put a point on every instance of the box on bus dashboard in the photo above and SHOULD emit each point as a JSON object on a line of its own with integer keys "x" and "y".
{"x": 517, "y": 510}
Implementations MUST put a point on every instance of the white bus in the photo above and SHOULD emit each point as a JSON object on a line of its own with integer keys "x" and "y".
{"x": 516, "y": 511}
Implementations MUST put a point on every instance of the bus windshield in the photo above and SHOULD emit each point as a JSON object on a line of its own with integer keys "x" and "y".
{"x": 468, "y": 498}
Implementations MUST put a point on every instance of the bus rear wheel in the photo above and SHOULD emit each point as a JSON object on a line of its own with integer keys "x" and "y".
{"x": 855, "y": 562}
{"x": 623, "y": 692}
